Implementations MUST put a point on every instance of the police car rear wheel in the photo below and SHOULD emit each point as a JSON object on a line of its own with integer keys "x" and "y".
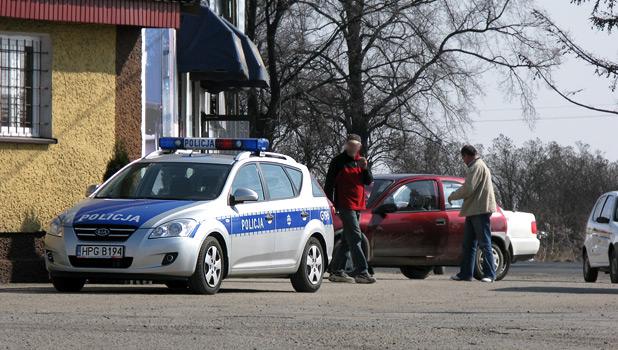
{"x": 68, "y": 285}
{"x": 308, "y": 278}
{"x": 209, "y": 269}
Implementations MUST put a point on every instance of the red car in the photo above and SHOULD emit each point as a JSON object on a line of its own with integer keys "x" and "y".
{"x": 409, "y": 224}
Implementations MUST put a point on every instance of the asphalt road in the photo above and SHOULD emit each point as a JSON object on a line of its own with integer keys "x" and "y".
{"x": 538, "y": 306}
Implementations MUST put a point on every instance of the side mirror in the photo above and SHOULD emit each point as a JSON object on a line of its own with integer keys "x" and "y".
{"x": 242, "y": 195}
{"x": 90, "y": 189}
{"x": 385, "y": 209}
{"x": 602, "y": 220}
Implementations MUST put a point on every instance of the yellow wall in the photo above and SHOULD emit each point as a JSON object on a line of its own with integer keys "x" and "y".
{"x": 37, "y": 182}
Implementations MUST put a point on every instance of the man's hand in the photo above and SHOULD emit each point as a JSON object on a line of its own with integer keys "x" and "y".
{"x": 362, "y": 162}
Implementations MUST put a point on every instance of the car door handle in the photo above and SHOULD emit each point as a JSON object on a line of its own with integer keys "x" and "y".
{"x": 440, "y": 222}
{"x": 304, "y": 214}
{"x": 269, "y": 217}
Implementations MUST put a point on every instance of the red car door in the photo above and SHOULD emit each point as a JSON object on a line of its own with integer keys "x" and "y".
{"x": 418, "y": 226}
{"x": 455, "y": 223}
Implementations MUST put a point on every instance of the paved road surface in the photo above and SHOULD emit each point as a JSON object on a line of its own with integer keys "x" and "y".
{"x": 538, "y": 306}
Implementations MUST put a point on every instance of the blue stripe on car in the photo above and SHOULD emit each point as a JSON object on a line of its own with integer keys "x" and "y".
{"x": 133, "y": 212}
{"x": 281, "y": 221}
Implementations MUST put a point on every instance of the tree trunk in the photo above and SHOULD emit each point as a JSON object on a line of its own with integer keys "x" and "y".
{"x": 253, "y": 106}
{"x": 355, "y": 109}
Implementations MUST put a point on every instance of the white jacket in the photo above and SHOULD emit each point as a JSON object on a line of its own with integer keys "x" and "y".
{"x": 477, "y": 192}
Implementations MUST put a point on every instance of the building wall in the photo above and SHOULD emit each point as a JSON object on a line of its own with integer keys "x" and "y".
{"x": 129, "y": 89}
{"x": 39, "y": 181}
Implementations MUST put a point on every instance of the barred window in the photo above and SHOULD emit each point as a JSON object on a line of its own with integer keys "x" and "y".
{"x": 25, "y": 98}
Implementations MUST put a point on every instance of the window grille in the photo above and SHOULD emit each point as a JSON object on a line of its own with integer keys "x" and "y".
{"x": 20, "y": 85}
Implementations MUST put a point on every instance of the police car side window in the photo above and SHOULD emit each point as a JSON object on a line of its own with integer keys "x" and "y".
{"x": 278, "y": 183}
{"x": 248, "y": 177}
{"x": 296, "y": 176}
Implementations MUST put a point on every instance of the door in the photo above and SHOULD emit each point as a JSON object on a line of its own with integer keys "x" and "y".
{"x": 602, "y": 232}
{"x": 283, "y": 186}
{"x": 253, "y": 227}
{"x": 416, "y": 229}
{"x": 455, "y": 223}
{"x": 591, "y": 231}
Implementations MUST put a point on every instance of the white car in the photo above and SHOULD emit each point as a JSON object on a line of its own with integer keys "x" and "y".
{"x": 192, "y": 219}
{"x": 521, "y": 232}
{"x": 599, "y": 251}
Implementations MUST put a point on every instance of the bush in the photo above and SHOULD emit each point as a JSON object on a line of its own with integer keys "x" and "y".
{"x": 118, "y": 160}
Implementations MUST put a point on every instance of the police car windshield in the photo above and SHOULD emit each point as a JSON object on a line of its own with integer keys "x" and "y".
{"x": 163, "y": 180}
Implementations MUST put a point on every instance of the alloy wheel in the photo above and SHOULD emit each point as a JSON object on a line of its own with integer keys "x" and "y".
{"x": 314, "y": 265}
{"x": 212, "y": 262}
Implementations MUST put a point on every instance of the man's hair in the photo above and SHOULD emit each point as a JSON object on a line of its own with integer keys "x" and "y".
{"x": 353, "y": 137}
{"x": 468, "y": 150}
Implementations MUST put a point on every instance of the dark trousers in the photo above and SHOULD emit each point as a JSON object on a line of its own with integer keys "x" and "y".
{"x": 477, "y": 231}
{"x": 351, "y": 241}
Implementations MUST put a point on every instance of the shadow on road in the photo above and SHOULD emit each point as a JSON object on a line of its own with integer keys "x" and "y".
{"x": 560, "y": 290}
{"x": 131, "y": 290}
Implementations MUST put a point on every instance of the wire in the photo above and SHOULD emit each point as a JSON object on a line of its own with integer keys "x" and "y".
{"x": 540, "y": 107}
{"x": 541, "y": 119}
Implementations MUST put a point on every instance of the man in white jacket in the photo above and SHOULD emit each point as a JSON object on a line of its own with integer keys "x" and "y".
{"x": 479, "y": 203}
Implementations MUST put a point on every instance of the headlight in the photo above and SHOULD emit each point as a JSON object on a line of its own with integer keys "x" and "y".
{"x": 56, "y": 227}
{"x": 175, "y": 228}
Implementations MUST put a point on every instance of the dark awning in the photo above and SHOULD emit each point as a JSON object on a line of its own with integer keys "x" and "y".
{"x": 217, "y": 54}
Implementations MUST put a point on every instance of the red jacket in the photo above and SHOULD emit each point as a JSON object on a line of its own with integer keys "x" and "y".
{"x": 345, "y": 182}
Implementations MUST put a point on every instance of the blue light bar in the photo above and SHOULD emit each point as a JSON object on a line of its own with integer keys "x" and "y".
{"x": 200, "y": 143}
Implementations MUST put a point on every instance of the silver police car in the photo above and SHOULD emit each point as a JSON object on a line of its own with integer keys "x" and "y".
{"x": 192, "y": 219}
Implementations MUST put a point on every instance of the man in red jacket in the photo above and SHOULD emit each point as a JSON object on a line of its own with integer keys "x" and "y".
{"x": 348, "y": 173}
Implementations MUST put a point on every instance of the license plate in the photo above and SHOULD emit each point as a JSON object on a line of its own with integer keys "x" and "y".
{"x": 100, "y": 251}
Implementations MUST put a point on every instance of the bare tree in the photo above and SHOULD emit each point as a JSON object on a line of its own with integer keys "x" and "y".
{"x": 603, "y": 17}
{"x": 399, "y": 66}
{"x": 288, "y": 48}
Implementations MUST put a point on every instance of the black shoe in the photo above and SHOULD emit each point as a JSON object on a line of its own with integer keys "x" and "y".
{"x": 340, "y": 277}
{"x": 364, "y": 278}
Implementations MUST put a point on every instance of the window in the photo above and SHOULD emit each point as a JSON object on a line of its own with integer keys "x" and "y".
{"x": 25, "y": 96}
{"x": 278, "y": 183}
{"x": 376, "y": 189}
{"x": 414, "y": 196}
{"x": 248, "y": 177}
{"x": 608, "y": 208}
{"x": 184, "y": 181}
{"x": 316, "y": 188}
{"x": 297, "y": 178}
{"x": 450, "y": 187}
{"x": 598, "y": 207}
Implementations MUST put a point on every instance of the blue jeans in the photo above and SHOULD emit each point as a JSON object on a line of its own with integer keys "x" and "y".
{"x": 351, "y": 240}
{"x": 477, "y": 231}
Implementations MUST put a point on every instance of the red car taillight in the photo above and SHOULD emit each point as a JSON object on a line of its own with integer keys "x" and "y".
{"x": 533, "y": 227}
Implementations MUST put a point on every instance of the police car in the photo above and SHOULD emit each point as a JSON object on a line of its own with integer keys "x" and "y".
{"x": 191, "y": 219}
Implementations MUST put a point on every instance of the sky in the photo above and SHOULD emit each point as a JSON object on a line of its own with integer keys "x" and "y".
{"x": 495, "y": 115}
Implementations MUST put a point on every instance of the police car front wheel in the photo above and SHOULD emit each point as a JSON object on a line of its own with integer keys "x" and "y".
{"x": 68, "y": 285}
{"x": 308, "y": 277}
{"x": 209, "y": 268}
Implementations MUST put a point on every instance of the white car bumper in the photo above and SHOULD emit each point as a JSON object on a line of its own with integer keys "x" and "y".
{"x": 524, "y": 248}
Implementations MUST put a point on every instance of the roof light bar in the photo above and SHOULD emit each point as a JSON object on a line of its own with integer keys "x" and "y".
{"x": 200, "y": 143}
